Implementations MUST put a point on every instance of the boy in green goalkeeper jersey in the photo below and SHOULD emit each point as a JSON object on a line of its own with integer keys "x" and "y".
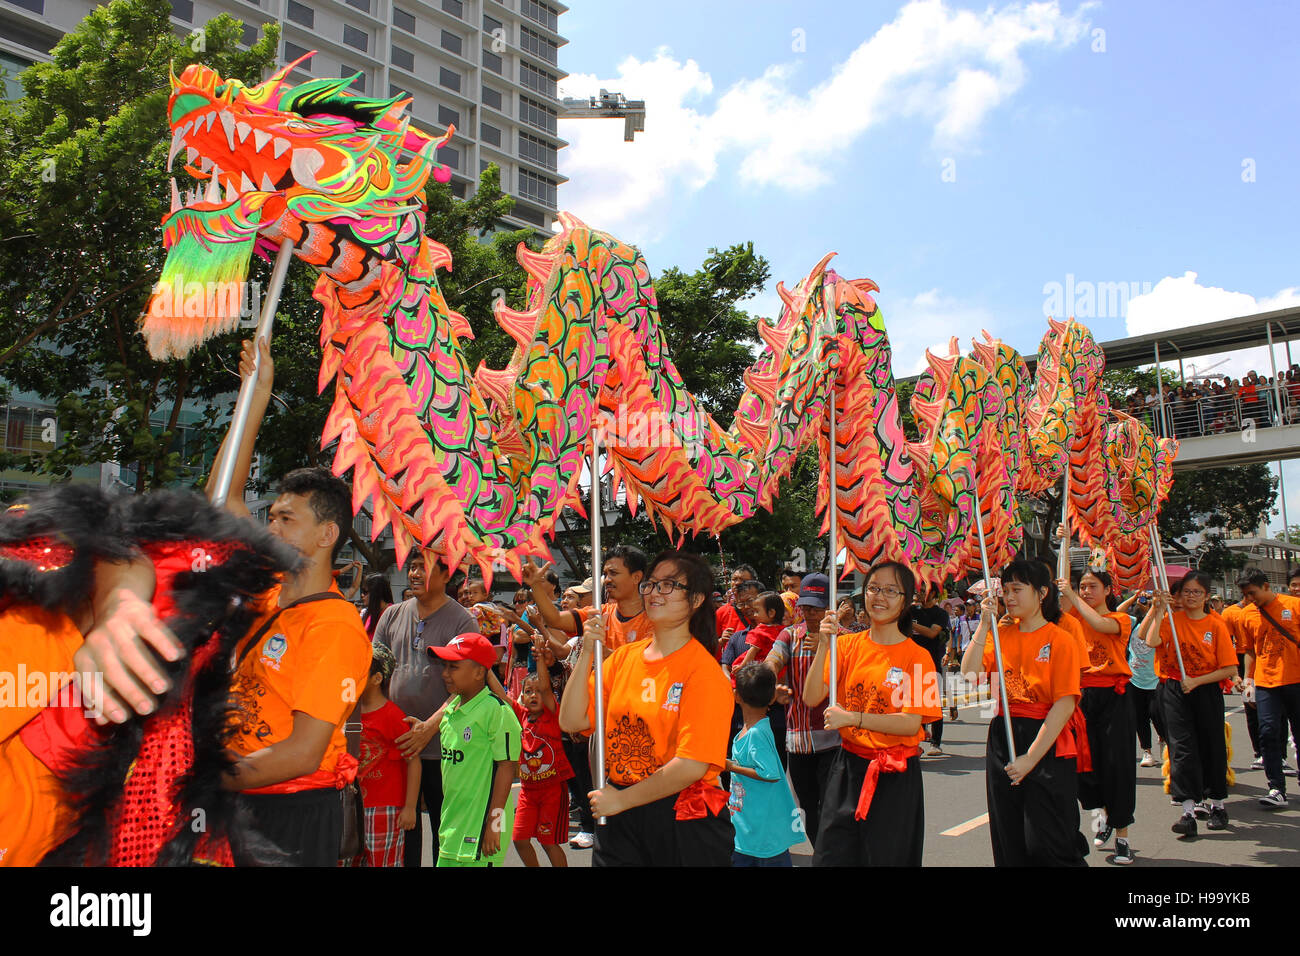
{"x": 480, "y": 752}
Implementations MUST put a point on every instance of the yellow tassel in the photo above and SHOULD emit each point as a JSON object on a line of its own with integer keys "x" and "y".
{"x": 1227, "y": 736}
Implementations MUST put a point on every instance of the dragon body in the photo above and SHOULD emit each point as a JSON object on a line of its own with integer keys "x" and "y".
{"x": 478, "y": 466}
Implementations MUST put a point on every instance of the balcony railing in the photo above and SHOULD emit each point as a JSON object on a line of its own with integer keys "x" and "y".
{"x": 1211, "y": 415}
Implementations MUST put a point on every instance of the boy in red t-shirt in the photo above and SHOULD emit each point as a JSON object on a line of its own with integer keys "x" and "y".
{"x": 390, "y": 784}
{"x": 544, "y": 770}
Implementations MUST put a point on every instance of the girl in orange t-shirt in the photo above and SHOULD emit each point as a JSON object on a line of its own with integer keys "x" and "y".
{"x": 668, "y": 709}
{"x": 1109, "y": 789}
{"x": 1192, "y": 700}
{"x": 1032, "y": 800}
{"x": 873, "y": 811}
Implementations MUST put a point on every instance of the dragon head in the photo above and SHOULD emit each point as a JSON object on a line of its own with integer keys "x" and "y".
{"x": 315, "y": 163}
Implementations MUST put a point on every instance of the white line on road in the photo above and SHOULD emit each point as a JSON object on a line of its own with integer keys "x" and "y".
{"x": 966, "y": 827}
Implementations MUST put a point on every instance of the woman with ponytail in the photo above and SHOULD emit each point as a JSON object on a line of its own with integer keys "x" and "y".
{"x": 668, "y": 713}
{"x": 1033, "y": 800}
{"x": 873, "y": 808}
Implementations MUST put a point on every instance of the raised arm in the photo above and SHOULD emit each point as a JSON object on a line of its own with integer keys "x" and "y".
{"x": 256, "y": 412}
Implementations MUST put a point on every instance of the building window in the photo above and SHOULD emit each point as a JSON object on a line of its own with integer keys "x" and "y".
{"x": 535, "y": 114}
{"x": 448, "y": 117}
{"x": 36, "y": 6}
{"x": 356, "y": 38}
{"x": 538, "y": 188}
{"x": 454, "y": 7}
{"x": 181, "y": 10}
{"x": 541, "y": 13}
{"x": 301, "y": 14}
{"x": 538, "y": 45}
{"x": 250, "y": 34}
{"x": 403, "y": 58}
{"x": 528, "y": 214}
{"x": 491, "y": 25}
{"x": 449, "y": 156}
{"x": 294, "y": 52}
{"x": 492, "y": 98}
{"x": 482, "y": 165}
{"x": 492, "y": 62}
{"x": 449, "y": 79}
{"x": 457, "y": 189}
{"x": 451, "y": 42}
{"x": 359, "y": 84}
{"x": 403, "y": 20}
{"x": 538, "y": 80}
{"x": 538, "y": 151}
{"x": 360, "y": 4}
{"x": 489, "y": 134}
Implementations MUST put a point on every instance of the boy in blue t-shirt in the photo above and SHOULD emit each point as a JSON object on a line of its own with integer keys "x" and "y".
{"x": 762, "y": 807}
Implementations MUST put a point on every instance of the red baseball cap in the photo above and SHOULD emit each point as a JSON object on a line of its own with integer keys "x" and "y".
{"x": 467, "y": 647}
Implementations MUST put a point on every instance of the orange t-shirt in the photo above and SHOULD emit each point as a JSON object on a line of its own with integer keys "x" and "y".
{"x": 1235, "y": 616}
{"x": 1074, "y": 627}
{"x": 1206, "y": 645}
{"x": 1277, "y": 660}
{"x": 619, "y": 631}
{"x": 883, "y": 679}
{"x": 315, "y": 659}
{"x": 36, "y": 649}
{"x": 678, "y": 706}
{"x": 1042, "y": 666}
{"x": 1107, "y": 653}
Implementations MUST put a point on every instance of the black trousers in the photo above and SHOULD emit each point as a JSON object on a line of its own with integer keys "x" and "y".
{"x": 431, "y": 790}
{"x": 1146, "y": 711}
{"x": 1198, "y": 762}
{"x": 1112, "y": 782}
{"x": 579, "y": 755}
{"x": 808, "y": 773}
{"x": 307, "y": 826}
{"x": 893, "y": 834}
{"x": 1276, "y": 705}
{"x": 1035, "y": 823}
{"x": 651, "y": 835}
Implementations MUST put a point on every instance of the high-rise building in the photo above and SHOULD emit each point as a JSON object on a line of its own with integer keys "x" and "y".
{"x": 487, "y": 67}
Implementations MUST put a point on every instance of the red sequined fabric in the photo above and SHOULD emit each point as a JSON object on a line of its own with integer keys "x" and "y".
{"x": 47, "y": 554}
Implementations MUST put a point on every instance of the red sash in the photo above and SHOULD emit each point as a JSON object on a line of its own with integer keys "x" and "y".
{"x": 698, "y": 800}
{"x": 890, "y": 760}
{"x": 1117, "y": 682}
{"x": 1073, "y": 738}
{"x": 344, "y": 772}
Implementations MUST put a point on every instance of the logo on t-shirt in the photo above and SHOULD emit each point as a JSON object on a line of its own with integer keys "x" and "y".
{"x": 674, "y": 701}
{"x": 894, "y": 677}
{"x": 467, "y": 734}
{"x": 1044, "y": 654}
{"x": 1208, "y": 638}
{"x": 1286, "y": 614}
{"x": 273, "y": 650}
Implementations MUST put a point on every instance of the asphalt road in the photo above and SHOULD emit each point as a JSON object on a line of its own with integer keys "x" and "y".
{"x": 956, "y": 813}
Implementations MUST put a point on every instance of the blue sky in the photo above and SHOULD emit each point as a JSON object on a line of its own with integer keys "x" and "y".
{"x": 963, "y": 156}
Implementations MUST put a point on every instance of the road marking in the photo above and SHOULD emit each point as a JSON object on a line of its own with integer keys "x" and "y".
{"x": 961, "y": 828}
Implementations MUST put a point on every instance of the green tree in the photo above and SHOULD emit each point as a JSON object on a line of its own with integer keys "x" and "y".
{"x": 1238, "y": 498}
{"x": 83, "y": 188}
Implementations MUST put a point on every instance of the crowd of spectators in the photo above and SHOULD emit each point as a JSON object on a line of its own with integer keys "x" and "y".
{"x": 1212, "y": 407}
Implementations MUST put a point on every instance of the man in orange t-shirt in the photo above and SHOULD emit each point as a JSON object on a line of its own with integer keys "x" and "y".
{"x": 623, "y": 612}
{"x": 1272, "y": 649}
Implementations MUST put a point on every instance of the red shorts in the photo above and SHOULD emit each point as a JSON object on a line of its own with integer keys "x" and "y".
{"x": 543, "y": 814}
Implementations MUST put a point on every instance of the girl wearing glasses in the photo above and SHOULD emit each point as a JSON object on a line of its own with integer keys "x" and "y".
{"x": 873, "y": 811}
{"x": 1109, "y": 789}
{"x": 1192, "y": 703}
{"x": 667, "y": 718}
{"x": 1033, "y": 805}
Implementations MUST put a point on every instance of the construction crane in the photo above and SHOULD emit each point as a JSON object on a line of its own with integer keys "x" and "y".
{"x": 607, "y": 106}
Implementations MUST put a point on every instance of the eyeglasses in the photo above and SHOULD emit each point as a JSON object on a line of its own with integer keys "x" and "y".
{"x": 663, "y": 587}
{"x": 887, "y": 591}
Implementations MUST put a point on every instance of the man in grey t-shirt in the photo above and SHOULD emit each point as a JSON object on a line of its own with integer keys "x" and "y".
{"x": 429, "y": 619}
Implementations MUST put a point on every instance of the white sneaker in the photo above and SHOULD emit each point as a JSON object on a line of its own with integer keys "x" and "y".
{"x": 583, "y": 841}
{"x": 1147, "y": 759}
{"x": 1275, "y": 799}
{"x": 1257, "y": 763}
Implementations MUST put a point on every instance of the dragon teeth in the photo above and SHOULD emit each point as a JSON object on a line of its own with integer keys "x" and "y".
{"x": 232, "y": 194}
{"x": 205, "y": 164}
{"x": 191, "y": 154}
{"x": 246, "y": 184}
{"x": 267, "y": 185}
{"x": 242, "y": 130}
{"x": 176, "y": 195}
{"x": 260, "y": 139}
{"x": 228, "y": 124}
{"x": 210, "y": 119}
{"x": 280, "y": 146}
{"x": 213, "y": 194}
{"x": 177, "y": 143}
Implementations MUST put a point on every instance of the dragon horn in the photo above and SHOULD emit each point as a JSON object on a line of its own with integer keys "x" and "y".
{"x": 776, "y": 339}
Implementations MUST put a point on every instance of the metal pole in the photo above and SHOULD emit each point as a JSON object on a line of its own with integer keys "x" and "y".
{"x": 239, "y": 419}
{"x": 833, "y": 506}
{"x": 594, "y": 515}
{"x": 1160, "y": 392}
{"x": 997, "y": 640}
{"x": 1063, "y": 558}
{"x": 1286, "y": 528}
{"x": 1277, "y": 386}
{"x": 1158, "y": 567}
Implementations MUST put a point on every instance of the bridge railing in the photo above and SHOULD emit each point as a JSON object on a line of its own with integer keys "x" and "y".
{"x": 1210, "y": 415}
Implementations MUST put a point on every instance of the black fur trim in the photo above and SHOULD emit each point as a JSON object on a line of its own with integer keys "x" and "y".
{"x": 80, "y": 516}
{"x": 205, "y": 602}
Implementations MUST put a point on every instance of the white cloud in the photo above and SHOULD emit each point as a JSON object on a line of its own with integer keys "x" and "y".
{"x": 947, "y": 68}
{"x": 1178, "y": 301}
{"x": 927, "y": 321}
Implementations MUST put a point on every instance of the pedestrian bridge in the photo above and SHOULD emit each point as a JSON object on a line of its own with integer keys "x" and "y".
{"x": 1245, "y": 447}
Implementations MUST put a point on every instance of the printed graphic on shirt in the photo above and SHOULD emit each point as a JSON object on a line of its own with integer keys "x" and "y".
{"x": 630, "y": 749}
{"x": 246, "y": 697}
{"x": 1097, "y": 656}
{"x": 894, "y": 678}
{"x": 861, "y": 699}
{"x": 273, "y": 650}
{"x": 736, "y": 803}
{"x": 539, "y": 761}
{"x": 1018, "y": 689}
{"x": 674, "y": 701}
{"x": 1044, "y": 653}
